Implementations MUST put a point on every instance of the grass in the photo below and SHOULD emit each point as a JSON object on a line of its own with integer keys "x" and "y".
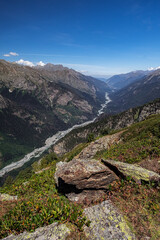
{"x": 38, "y": 204}
{"x": 140, "y": 204}
{"x": 11, "y": 150}
{"x": 140, "y": 141}
{"x": 74, "y": 152}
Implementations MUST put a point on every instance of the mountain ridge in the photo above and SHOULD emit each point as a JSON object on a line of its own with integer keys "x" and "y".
{"x": 35, "y": 104}
{"x": 120, "y": 81}
{"x": 143, "y": 90}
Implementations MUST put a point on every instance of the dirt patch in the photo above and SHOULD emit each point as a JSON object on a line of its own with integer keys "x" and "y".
{"x": 151, "y": 164}
{"x": 5, "y": 206}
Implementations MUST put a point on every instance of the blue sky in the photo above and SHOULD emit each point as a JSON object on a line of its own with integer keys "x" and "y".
{"x": 93, "y": 36}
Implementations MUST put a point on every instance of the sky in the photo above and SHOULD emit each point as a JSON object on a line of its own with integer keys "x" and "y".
{"x": 95, "y": 37}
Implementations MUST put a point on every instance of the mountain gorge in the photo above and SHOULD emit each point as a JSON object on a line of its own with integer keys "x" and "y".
{"x": 36, "y": 103}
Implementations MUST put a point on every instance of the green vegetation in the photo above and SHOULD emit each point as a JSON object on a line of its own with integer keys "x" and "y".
{"x": 140, "y": 141}
{"x": 45, "y": 161}
{"x": 73, "y": 110}
{"x": 69, "y": 114}
{"x": 140, "y": 204}
{"x": 11, "y": 150}
{"x": 90, "y": 137}
{"x": 75, "y": 151}
{"x": 38, "y": 204}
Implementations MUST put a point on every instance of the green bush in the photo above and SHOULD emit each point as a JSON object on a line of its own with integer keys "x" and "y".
{"x": 39, "y": 204}
{"x": 90, "y": 137}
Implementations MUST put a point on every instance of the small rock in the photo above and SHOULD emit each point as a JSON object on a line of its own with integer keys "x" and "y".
{"x": 87, "y": 197}
{"x": 42, "y": 170}
{"x": 7, "y": 197}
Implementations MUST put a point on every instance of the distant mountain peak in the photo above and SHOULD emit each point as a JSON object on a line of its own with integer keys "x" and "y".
{"x": 122, "y": 80}
{"x": 52, "y": 67}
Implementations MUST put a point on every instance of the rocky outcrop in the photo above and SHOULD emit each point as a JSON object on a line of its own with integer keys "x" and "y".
{"x": 81, "y": 176}
{"x": 50, "y": 232}
{"x": 3, "y": 102}
{"x": 98, "y": 145}
{"x": 137, "y": 173}
{"x": 106, "y": 223}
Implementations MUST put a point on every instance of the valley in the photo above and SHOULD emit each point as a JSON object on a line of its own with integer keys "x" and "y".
{"x": 96, "y": 147}
{"x": 49, "y": 142}
{"x": 79, "y": 120}
{"x": 37, "y": 103}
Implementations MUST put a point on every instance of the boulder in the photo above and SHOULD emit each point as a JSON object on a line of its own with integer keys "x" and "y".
{"x": 137, "y": 173}
{"x": 7, "y": 197}
{"x": 83, "y": 175}
{"x": 106, "y": 223}
{"x": 54, "y": 231}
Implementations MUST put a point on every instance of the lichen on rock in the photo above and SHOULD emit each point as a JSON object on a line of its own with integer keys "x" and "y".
{"x": 137, "y": 173}
{"x": 7, "y": 197}
{"x": 106, "y": 223}
{"x": 50, "y": 232}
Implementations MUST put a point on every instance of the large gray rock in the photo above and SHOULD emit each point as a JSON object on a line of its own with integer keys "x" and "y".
{"x": 83, "y": 175}
{"x": 136, "y": 172}
{"x": 50, "y": 232}
{"x": 106, "y": 223}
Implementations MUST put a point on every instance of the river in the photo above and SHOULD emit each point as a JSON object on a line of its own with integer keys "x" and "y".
{"x": 49, "y": 142}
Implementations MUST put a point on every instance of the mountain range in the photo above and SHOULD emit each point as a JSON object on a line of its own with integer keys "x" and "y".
{"x": 141, "y": 91}
{"x": 122, "y": 80}
{"x": 35, "y": 103}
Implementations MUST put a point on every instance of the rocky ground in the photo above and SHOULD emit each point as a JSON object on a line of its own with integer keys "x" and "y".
{"x": 86, "y": 181}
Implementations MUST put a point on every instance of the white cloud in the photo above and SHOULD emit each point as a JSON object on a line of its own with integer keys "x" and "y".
{"x": 14, "y": 54}
{"x": 10, "y": 54}
{"x": 41, "y": 64}
{"x": 151, "y": 68}
{"x": 26, "y": 63}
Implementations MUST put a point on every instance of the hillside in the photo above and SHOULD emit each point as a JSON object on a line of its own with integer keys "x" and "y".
{"x": 122, "y": 80}
{"x": 138, "y": 93}
{"x": 36, "y": 103}
{"x": 40, "y": 203}
{"x": 105, "y": 125}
